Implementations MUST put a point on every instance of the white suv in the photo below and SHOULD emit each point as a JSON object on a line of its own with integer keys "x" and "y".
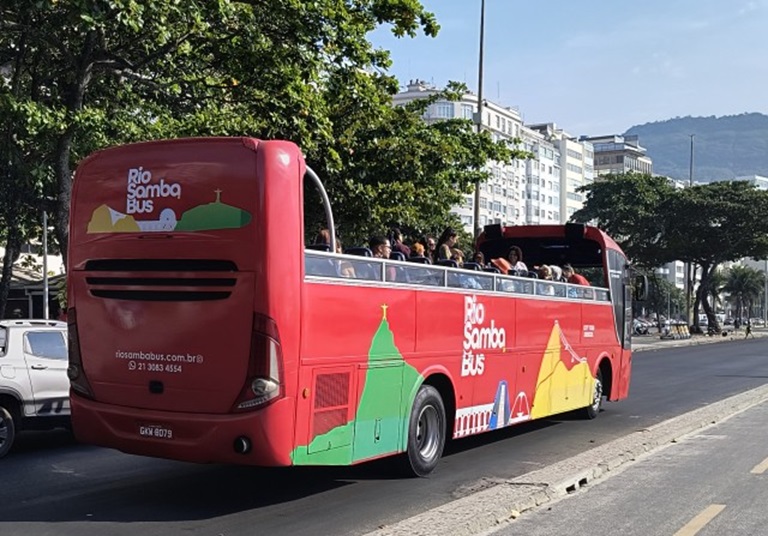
{"x": 34, "y": 389}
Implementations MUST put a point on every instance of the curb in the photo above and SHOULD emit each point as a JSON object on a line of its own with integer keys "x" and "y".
{"x": 507, "y": 499}
{"x": 696, "y": 340}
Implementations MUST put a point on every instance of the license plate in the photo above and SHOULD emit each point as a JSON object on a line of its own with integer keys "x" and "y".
{"x": 155, "y": 431}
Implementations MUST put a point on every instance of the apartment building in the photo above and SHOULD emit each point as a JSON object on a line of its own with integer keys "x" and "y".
{"x": 619, "y": 154}
{"x": 542, "y": 178}
{"x": 540, "y": 190}
{"x": 576, "y": 163}
{"x": 502, "y": 196}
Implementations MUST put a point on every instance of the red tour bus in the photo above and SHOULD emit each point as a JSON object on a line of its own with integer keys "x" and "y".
{"x": 203, "y": 328}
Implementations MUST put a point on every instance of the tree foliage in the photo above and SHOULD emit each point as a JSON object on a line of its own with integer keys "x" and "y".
{"x": 630, "y": 208}
{"x": 663, "y": 297}
{"x": 85, "y": 74}
{"x": 705, "y": 225}
{"x": 744, "y": 286}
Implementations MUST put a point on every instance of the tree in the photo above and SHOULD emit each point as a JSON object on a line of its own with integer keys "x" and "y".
{"x": 630, "y": 208}
{"x": 744, "y": 285}
{"x": 90, "y": 73}
{"x": 704, "y": 224}
{"x": 396, "y": 169}
{"x": 663, "y": 297}
{"x": 708, "y": 225}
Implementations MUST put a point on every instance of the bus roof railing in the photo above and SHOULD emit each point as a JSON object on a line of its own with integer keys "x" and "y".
{"x": 371, "y": 269}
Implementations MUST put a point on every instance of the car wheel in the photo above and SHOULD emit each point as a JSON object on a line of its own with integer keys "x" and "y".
{"x": 7, "y": 431}
{"x": 591, "y": 411}
{"x": 426, "y": 431}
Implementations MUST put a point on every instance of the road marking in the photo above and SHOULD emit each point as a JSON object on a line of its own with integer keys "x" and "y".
{"x": 700, "y": 521}
{"x": 760, "y": 468}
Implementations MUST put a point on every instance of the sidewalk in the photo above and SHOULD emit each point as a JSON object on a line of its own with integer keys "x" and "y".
{"x": 654, "y": 341}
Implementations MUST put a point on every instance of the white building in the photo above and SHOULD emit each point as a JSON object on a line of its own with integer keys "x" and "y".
{"x": 576, "y": 162}
{"x": 536, "y": 191}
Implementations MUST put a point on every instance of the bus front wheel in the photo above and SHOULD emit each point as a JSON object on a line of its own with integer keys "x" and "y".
{"x": 426, "y": 431}
{"x": 591, "y": 411}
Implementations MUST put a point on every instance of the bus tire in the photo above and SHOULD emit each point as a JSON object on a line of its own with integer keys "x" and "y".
{"x": 426, "y": 431}
{"x": 7, "y": 431}
{"x": 591, "y": 411}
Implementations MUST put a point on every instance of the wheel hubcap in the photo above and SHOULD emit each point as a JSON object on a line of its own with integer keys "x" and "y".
{"x": 598, "y": 395}
{"x": 428, "y": 432}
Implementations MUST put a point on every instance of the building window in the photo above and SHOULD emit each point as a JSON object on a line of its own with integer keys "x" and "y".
{"x": 444, "y": 110}
{"x": 467, "y": 111}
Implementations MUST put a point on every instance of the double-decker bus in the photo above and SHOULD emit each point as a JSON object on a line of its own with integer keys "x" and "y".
{"x": 203, "y": 328}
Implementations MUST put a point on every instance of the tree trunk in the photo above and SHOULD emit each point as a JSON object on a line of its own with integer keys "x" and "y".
{"x": 12, "y": 251}
{"x": 74, "y": 103}
{"x": 702, "y": 294}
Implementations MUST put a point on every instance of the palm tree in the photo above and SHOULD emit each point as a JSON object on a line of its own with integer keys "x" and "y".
{"x": 744, "y": 284}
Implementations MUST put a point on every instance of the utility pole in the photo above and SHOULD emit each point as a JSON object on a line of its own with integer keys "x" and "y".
{"x": 46, "y": 292}
{"x": 476, "y": 217}
{"x": 688, "y": 275}
{"x": 765, "y": 301}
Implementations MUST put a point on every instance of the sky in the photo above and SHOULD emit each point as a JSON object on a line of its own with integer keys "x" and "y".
{"x": 597, "y": 67}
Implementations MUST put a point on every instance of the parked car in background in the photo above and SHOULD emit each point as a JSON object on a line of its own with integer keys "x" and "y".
{"x": 34, "y": 388}
{"x": 640, "y": 327}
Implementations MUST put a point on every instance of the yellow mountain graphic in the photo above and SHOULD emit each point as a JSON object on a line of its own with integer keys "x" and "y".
{"x": 557, "y": 388}
{"x": 106, "y": 220}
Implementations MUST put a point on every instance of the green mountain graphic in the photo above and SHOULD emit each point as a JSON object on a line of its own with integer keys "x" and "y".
{"x": 384, "y": 406}
{"x": 216, "y": 215}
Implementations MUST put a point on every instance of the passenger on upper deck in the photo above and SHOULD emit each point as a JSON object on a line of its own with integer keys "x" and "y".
{"x": 345, "y": 267}
{"x": 323, "y": 237}
{"x": 417, "y": 250}
{"x": 515, "y": 257}
{"x": 572, "y": 277}
{"x": 446, "y": 241}
{"x": 396, "y": 237}
{"x": 557, "y": 273}
{"x": 545, "y": 272}
{"x": 431, "y": 248}
{"x": 458, "y": 256}
{"x": 479, "y": 258}
{"x": 380, "y": 246}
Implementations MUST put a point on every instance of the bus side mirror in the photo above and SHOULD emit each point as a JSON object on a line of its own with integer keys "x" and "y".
{"x": 640, "y": 288}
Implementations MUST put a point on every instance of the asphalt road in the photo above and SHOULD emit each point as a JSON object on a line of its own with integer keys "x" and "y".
{"x": 711, "y": 483}
{"x": 52, "y": 486}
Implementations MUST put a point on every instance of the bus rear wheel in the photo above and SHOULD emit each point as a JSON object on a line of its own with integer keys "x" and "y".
{"x": 591, "y": 411}
{"x": 426, "y": 431}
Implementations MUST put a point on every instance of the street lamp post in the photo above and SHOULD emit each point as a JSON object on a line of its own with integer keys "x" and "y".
{"x": 46, "y": 314}
{"x": 688, "y": 275}
{"x": 476, "y": 216}
{"x": 765, "y": 300}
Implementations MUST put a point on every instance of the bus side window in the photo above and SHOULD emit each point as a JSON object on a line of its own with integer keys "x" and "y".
{"x": 319, "y": 266}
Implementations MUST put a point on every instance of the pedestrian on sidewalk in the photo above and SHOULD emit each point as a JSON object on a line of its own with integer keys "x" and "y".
{"x": 748, "y": 329}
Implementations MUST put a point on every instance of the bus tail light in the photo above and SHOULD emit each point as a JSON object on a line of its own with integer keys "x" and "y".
{"x": 263, "y": 382}
{"x": 75, "y": 372}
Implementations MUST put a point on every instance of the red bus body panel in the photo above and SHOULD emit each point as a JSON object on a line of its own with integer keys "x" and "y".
{"x": 166, "y": 302}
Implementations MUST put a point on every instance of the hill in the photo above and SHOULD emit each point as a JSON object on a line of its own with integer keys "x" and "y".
{"x": 724, "y": 147}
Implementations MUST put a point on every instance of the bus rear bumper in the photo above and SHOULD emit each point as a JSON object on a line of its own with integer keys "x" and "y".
{"x": 191, "y": 437}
